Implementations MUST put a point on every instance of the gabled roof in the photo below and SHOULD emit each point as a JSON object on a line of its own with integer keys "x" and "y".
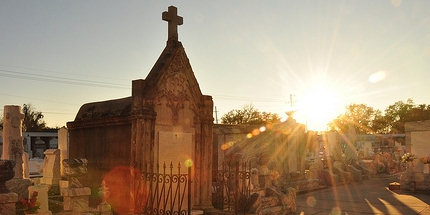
{"x": 173, "y": 49}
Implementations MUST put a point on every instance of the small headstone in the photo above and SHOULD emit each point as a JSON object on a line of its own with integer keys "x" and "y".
{"x": 73, "y": 169}
{"x": 42, "y": 198}
{"x": 75, "y": 196}
{"x": 51, "y": 167}
{"x": 63, "y": 145}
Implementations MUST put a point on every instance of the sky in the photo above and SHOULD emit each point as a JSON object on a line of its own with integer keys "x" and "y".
{"x": 59, "y": 55}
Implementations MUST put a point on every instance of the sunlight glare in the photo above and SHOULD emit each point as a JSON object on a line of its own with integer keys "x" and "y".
{"x": 319, "y": 105}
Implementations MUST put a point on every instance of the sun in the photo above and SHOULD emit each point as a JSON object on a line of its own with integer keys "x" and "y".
{"x": 318, "y": 105}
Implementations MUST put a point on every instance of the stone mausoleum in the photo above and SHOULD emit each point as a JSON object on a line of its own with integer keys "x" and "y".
{"x": 166, "y": 118}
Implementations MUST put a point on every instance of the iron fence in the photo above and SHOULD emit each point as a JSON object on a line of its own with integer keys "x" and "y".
{"x": 232, "y": 187}
{"x": 168, "y": 190}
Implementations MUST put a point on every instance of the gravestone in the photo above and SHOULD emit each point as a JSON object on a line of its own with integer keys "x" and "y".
{"x": 12, "y": 137}
{"x": 166, "y": 111}
{"x": 42, "y": 198}
{"x": 75, "y": 195}
{"x": 63, "y": 146}
{"x": 51, "y": 167}
{"x": 13, "y": 148}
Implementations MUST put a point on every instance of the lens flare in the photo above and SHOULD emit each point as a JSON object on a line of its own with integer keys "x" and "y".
{"x": 311, "y": 201}
{"x": 396, "y": 3}
{"x": 377, "y": 77}
{"x": 249, "y": 136}
{"x": 120, "y": 181}
{"x": 188, "y": 162}
{"x": 262, "y": 129}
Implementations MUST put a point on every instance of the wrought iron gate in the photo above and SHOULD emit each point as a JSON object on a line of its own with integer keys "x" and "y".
{"x": 232, "y": 187}
{"x": 168, "y": 190}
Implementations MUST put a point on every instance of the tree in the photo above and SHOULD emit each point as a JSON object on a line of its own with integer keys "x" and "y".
{"x": 249, "y": 115}
{"x": 365, "y": 119}
{"x": 360, "y": 116}
{"x": 33, "y": 120}
{"x": 400, "y": 112}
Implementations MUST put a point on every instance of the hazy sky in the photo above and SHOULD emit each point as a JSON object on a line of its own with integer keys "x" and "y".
{"x": 58, "y": 55}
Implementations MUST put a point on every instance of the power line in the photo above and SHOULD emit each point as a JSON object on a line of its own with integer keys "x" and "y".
{"x": 55, "y": 72}
{"x": 55, "y": 79}
{"x": 91, "y": 83}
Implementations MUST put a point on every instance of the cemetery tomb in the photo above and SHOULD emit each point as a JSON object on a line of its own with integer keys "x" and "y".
{"x": 166, "y": 118}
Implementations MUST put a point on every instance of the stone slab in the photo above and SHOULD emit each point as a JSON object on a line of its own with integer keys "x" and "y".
{"x": 8, "y": 197}
{"x": 82, "y": 191}
{"x": 76, "y": 199}
{"x": 51, "y": 167}
{"x": 19, "y": 186}
{"x": 8, "y": 203}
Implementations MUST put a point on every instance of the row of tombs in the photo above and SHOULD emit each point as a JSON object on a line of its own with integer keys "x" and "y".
{"x": 269, "y": 164}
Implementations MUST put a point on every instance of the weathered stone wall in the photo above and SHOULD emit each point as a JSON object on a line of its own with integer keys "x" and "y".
{"x": 419, "y": 126}
{"x": 105, "y": 147}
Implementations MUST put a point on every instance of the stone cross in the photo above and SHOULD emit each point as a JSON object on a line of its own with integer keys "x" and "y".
{"x": 12, "y": 137}
{"x": 171, "y": 16}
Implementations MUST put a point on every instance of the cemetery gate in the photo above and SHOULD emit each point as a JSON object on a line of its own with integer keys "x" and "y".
{"x": 169, "y": 190}
{"x": 232, "y": 187}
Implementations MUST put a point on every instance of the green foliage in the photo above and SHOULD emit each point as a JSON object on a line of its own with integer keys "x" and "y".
{"x": 249, "y": 115}
{"x": 33, "y": 120}
{"x": 397, "y": 114}
{"x": 359, "y": 116}
{"x": 367, "y": 120}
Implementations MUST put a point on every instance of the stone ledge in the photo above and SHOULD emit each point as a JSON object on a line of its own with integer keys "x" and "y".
{"x": 81, "y": 191}
{"x": 8, "y": 198}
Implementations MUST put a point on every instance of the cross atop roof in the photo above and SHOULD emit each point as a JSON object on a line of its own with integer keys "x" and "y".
{"x": 171, "y": 16}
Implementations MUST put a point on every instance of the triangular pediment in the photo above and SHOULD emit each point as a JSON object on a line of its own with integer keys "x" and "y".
{"x": 173, "y": 78}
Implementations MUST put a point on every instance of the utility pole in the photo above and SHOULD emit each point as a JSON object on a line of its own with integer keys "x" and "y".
{"x": 291, "y": 101}
{"x": 216, "y": 116}
{"x": 291, "y": 112}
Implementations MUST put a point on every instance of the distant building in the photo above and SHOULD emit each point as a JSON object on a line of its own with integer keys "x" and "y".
{"x": 35, "y": 143}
